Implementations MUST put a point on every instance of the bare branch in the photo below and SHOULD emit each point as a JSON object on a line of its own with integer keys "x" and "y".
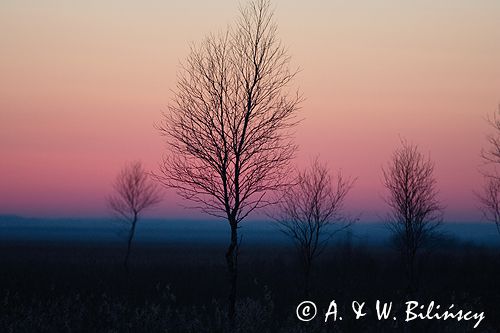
{"x": 489, "y": 198}
{"x": 492, "y": 154}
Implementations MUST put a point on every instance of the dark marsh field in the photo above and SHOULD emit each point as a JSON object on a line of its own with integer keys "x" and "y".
{"x": 68, "y": 285}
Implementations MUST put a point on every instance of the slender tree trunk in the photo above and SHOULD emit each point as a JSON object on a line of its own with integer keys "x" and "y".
{"x": 411, "y": 272}
{"x": 410, "y": 288}
{"x": 307, "y": 277}
{"x": 129, "y": 243}
{"x": 306, "y": 263}
{"x": 411, "y": 276}
{"x": 232, "y": 266}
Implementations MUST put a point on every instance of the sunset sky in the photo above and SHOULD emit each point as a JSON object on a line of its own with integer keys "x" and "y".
{"x": 83, "y": 82}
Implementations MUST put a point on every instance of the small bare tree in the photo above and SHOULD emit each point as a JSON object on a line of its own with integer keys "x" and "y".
{"x": 229, "y": 126}
{"x": 489, "y": 198}
{"x": 416, "y": 212}
{"x": 311, "y": 211}
{"x": 134, "y": 192}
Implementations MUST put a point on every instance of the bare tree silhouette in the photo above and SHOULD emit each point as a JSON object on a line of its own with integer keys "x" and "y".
{"x": 134, "y": 192}
{"x": 230, "y": 124}
{"x": 416, "y": 212}
{"x": 308, "y": 211}
{"x": 489, "y": 198}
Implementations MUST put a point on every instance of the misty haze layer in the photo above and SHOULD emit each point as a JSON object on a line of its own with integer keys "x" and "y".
{"x": 173, "y": 232}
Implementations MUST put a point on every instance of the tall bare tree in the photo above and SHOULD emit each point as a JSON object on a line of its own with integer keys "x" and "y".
{"x": 415, "y": 211}
{"x": 134, "y": 192}
{"x": 490, "y": 196}
{"x": 311, "y": 212}
{"x": 229, "y": 126}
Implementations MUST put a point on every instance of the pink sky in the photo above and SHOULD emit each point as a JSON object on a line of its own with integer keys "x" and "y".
{"x": 83, "y": 82}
